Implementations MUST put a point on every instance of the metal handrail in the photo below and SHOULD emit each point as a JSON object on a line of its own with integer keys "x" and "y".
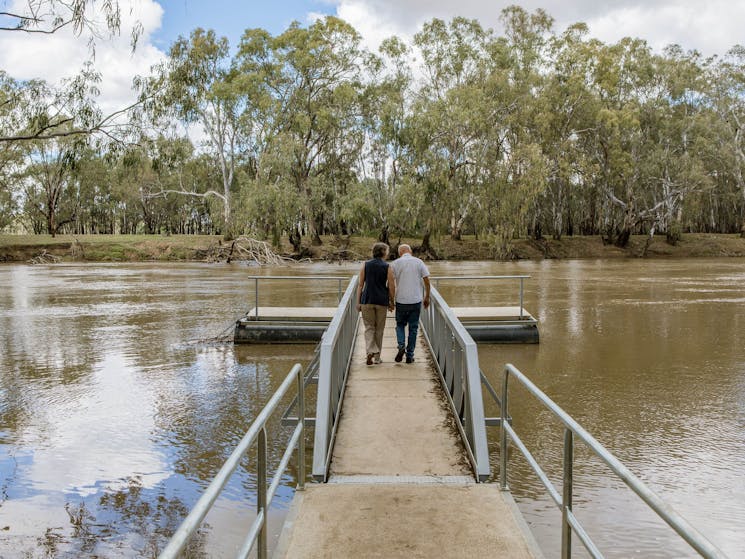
{"x": 258, "y": 531}
{"x": 336, "y": 348}
{"x": 256, "y": 279}
{"x": 522, "y": 279}
{"x": 572, "y": 429}
{"x": 457, "y": 361}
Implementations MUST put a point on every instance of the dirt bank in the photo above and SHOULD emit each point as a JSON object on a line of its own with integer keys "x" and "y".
{"x": 139, "y": 248}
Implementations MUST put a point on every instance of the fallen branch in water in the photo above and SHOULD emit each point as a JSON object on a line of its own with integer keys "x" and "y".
{"x": 244, "y": 249}
{"x": 44, "y": 258}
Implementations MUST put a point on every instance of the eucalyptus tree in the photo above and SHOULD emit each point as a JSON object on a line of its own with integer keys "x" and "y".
{"x": 565, "y": 111}
{"x": 514, "y": 168}
{"x": 46, "y": 17}
{"x": 645, "y": 138}
{"x": 386, "y": 110}
{"x": 451, "y": 114}
{"x": 676, "y": 160}
{"x": 197, "y": 86}
{"x": 49, "y": 182}
{"x": 310, "y": 82}
{"x": 727, "y": 91}
{"x": 9, "y": 153}
{"x": 39, "y": 111}
{"x": 622, "y": 75}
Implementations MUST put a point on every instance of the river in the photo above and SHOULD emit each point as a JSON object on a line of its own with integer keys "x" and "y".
{"x": 112, "y": 423}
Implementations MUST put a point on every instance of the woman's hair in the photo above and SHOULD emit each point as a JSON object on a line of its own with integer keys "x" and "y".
{"x": 379, "y": 250}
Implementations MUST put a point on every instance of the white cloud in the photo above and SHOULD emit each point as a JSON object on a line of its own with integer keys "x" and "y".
{"x": 711, "y": 27}
{"x": 62, "y": 55}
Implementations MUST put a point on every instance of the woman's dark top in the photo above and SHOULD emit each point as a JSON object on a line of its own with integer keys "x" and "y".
{"x": 375, "y": 291}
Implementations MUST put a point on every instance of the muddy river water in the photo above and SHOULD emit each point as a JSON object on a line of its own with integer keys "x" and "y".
{"x": 112, "y": 423}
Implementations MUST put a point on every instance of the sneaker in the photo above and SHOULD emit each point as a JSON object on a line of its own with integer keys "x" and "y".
{"x": 369, "y": 358}
{"x": 399, "y": 355}
{"x": 409, "y": 359}
{"x": 377, "y": 360}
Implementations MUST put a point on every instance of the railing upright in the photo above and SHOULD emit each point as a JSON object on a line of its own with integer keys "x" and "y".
{"x": 456, "y": 358}
{"x": 257, "y": 534}
{"x": 569, "y": 523}
{"x": 335, "y": 353}
{"x": 522, "y": 279}
{"x": 256, "y": 279}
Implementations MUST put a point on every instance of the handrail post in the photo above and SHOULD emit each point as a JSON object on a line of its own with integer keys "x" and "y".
{"x": 566, "y": 504}
{"x": 261, "y": 507}
{"x": 301, "y": 441}
{"x": 521, "y": 297}
{"x": 503, "y": 435}
{"x": 256, "y": 297}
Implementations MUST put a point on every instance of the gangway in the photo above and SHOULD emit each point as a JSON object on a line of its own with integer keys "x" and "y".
{"x": 400, "y": 456}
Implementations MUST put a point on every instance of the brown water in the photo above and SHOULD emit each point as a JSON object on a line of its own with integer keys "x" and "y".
{"x": 111, "y": 425}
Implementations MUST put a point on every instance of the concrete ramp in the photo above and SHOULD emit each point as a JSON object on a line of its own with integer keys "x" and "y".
{"x": 400, "y": 483}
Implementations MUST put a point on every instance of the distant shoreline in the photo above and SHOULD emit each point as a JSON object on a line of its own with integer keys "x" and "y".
{"x": 192, "y": 248}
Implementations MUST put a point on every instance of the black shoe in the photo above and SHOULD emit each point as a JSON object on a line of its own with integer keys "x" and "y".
{"x": 369, "y": 358}
{"x": 399, "y": 355}
{"x": 409, "y": 359}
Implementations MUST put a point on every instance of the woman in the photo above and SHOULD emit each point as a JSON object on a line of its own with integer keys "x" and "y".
{"x": 375, "y": 295}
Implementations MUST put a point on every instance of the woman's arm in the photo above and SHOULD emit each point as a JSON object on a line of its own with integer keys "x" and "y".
{"x": 359, "y": 288}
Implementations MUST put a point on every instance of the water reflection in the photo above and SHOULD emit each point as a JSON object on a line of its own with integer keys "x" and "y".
{"x": 111, "y": 426}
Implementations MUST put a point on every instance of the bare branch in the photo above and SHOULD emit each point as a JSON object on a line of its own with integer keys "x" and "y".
{"x": 162, "y": 193}
{"x": 42, "y": 31}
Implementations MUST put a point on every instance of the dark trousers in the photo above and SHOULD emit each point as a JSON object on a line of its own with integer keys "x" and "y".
{"x": 407, "y": 315}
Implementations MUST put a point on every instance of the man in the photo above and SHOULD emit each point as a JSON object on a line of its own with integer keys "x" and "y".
{"x": 409, "y": 272}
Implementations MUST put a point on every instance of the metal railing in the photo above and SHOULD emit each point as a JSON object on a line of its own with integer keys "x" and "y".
{"x": 457, "y": 361}
{"x": 258, "y": 531}
{"x": 569, "y": 523}
{"x": 335, "y": 354}
{"x": 256, "y": 279}
{"x": 436, "y": 280}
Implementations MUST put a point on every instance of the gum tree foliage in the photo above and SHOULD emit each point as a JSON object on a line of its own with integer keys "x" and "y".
{"x": 308, "y": 81}
{"x": 39, "y": 111}
{"x": 197, "y": 85}
{"x": 463, "y": 131}
{"x": 33, "y": 112}
{"x": 50, "y": 182}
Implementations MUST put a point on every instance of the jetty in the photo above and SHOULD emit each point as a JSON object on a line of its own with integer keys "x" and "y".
{"x": 400, "y": 459}
{"x": 400, "y": 483}
{"x": 505, "y": 323}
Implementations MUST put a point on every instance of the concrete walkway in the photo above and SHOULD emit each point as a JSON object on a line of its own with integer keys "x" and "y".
{"x": 400, "y": 483}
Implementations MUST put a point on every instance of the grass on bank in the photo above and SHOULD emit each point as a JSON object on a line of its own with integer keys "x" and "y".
{"x": 133, "y": 248}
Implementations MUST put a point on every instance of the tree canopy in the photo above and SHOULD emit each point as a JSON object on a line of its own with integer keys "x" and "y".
{"x": 463, "y": 131}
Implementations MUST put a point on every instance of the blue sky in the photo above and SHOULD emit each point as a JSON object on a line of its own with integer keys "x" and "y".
{"x": 711, "y": 27}
{"x": 230, "y": 18}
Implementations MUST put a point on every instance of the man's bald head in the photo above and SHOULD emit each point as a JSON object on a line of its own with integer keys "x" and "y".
{"x": 404, "y": 249}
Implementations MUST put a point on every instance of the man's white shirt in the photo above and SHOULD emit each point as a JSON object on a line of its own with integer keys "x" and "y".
{"x": 409, "y": 271}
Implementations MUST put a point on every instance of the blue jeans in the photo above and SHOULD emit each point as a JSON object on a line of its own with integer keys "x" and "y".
{"x": 407, "y": 314}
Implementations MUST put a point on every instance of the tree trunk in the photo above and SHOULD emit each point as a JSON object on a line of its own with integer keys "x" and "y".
{"x": 384, "y": 235}
{"x": 426, "y": 249}
{"x": 51, "y": 228}
{"x": 629, "y": 222}
{"x": 455, "y": 227}
{"x": 295, "y": 239}
{"x": 317, "y": 227}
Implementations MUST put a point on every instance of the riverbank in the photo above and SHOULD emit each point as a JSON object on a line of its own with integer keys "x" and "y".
{"x": 145, "y": 248}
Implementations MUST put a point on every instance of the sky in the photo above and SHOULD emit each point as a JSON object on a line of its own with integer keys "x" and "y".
{"x": 711, "y": 27}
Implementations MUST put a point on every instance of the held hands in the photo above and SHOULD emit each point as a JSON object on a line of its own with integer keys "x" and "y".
{"x": 391, "y": 307}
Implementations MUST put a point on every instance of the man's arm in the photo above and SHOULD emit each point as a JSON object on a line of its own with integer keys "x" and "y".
{"x": 391, "y": 289}
{"x": 426, "y": 291}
